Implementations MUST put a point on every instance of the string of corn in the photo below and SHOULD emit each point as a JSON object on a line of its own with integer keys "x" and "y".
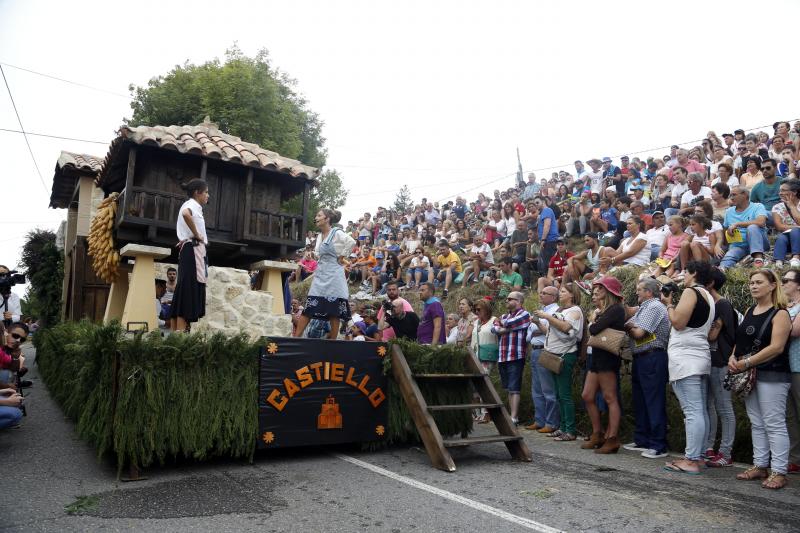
{"x": 105, "y": 257}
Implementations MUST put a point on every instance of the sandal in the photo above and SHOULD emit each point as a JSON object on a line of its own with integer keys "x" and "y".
{"x": 775, "y": 481}
{"x": 556, "y": 433}
{"x": 565, "y": 437}
{"x": 754, "y": 472}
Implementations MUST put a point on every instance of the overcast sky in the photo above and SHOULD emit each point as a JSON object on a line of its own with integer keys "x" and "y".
{"x": 436, "y": 95}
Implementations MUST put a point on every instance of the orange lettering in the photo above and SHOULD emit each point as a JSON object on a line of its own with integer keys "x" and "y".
{"x": 362, "y": 386}
{"x": 327, "y": 370}
{"x": 290, "y": 386}
{"x": 273, "y": 400}
{"x": 377, "y": 397}
{"x": 349, "y": 378}
{"x": 304, "y": 377}
{"x": 337, "y": 372}
{"x": 315, "y": 367}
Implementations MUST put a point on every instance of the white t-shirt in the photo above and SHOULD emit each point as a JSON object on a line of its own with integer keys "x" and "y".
{"x": 733, "y": 181}
{"x": 656, "y": 236}
{"x": 485, "y": 248}
{"x": 688, "y": 196}
{"x": 677, "y": 191}
{"x": 596, "y": 181}
{"x": 420, "y": 261}
{"x": 642, "y": 257}
{"x": 182, "y": 228}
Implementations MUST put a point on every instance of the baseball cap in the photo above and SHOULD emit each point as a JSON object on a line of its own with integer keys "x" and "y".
{"x": 606, "y": 159}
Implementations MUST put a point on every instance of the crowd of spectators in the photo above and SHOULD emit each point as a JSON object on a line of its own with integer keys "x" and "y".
{"x": 683, "y": 220}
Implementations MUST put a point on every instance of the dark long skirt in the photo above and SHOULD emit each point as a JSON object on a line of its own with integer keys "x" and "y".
{"x": 189, "y": 300}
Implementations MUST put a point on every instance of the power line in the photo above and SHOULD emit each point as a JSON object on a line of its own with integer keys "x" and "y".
{"x": 68, "y": 81}
{"x": 54, "y": 136}
{"x": 22, "y": 128}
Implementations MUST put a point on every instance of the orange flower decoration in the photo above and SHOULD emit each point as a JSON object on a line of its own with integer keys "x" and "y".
{"x": 268, "y": 437}
{"x": 380, "y": 430}
{"x": 272, "y": 348}
{"x": 381, "y": 350}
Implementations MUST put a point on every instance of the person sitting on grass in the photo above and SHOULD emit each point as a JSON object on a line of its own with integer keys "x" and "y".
{"x": 506, "y": 281}
{"x": 670, "y": 250}
{"x": 480, "y": 257}
{"x": 631, "y": 251}
{"x": 449, "y": 265}
{"x": 585, "y": 264}
{"x": 701, "y": 242}
{"x": 605, "y": 220}
{"x": 420, "y": 264}
{"x": 558, "y": 263}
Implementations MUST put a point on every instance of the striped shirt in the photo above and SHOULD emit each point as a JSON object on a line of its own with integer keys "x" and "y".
{"x": 513, "y": 341}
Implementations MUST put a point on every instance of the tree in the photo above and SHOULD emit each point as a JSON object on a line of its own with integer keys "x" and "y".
{"x": 403, "y": 200}
{"x": 44, "y": 263}
{"x": 245, "y": 96}
{"x": 328, "y": 193}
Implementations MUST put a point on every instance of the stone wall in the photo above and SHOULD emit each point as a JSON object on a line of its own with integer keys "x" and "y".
{"x": 232, "y": 307}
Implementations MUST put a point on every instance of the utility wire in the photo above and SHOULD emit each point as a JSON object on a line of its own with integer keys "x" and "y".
{"x": 126, "y": 96}
{"x": 22, "y": 130}
{"x": 54, "y": 136}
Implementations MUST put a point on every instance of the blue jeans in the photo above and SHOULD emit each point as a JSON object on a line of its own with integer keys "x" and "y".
{"x": 543, "y": 390}
{"x": 692, "y": 393}
{"x": 9, "y": 416}
{"x": 671, "y": 211}
{"x": 757, "y": 242}
{"x": 649, "y": 380}
{"x": 655, "y": 249}
{"x": 787, "y": 243}
{"x": 720, "y": 404}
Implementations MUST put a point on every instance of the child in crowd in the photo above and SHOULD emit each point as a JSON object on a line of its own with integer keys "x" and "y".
{"x": 701, "y": 242}
{"x": 670, "y": 250}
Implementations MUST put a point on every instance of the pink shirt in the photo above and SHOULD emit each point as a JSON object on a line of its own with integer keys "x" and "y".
{"x": 674, "y": 245}
{"x": 388, "y": 333}
{"x": 691, "y": 166}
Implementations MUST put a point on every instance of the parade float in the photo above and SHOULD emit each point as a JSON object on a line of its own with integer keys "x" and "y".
{"x": 237, "y": 383}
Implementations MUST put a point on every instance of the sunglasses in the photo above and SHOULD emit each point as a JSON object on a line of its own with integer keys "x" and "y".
{"x": 18, "y": 337}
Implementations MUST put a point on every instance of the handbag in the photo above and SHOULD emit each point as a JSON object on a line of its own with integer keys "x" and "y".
{"x": 743, "y": 383}
{"x": 610, "y": 340}
{"x": 552, "y": 362}
{"x": 488, "y": 353}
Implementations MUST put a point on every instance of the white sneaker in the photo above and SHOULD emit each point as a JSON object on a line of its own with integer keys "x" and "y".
{"x": 794, "y": 262}
{"x": 633, "y": 447}
{"x": 778, "y": 264}
{"x": 653, "y": 454}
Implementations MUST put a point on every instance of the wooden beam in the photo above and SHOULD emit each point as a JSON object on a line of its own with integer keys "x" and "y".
{"x": 418, "y": 408}
{"x": 128, "y": 183}
{"x": 248, "y": 190}
{"x": 306, "y": 198}
{"x": 203, "y": 168}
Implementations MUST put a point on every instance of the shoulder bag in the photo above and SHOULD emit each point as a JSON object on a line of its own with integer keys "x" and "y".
{"x": 487, "y": 353}
{"x": 549, "y": 360}
{"x": 611, "y": 340}
{"x": 743, "y": 383}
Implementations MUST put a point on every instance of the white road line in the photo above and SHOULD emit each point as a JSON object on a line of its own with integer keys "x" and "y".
{"x": 519, "y": 520}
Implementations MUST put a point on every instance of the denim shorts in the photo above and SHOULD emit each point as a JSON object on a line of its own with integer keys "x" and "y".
{"x": 511, "y": 374}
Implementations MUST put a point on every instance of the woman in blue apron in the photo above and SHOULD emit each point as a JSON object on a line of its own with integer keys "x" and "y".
{"x": 328, "y": 297}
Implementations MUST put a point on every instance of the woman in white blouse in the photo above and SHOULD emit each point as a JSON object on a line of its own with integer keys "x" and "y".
{"x": 189, "y": 299}
{"x": 328, "y": 296}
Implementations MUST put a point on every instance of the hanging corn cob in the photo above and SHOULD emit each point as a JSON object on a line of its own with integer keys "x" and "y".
{"x": 105, "y": 258}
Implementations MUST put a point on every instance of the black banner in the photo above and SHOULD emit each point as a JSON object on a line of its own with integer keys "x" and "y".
{"x": 314, "y": 391}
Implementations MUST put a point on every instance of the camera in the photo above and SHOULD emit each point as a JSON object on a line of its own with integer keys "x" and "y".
{"x": 387, "y": 307}
{"x": 669, "y": 288}
{"x": 10, "y": 278}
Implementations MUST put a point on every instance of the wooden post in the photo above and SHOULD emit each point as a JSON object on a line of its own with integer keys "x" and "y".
{"x": 123, "y": 209}
{"x": 248, "y": 192}
{"x": 304, "y": 224}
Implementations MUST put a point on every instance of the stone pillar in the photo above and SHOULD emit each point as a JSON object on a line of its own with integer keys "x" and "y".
{"x": 272, "y": 282}
{"x": 140, "y": 297}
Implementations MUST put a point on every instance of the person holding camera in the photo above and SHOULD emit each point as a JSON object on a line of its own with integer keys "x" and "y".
{"x": 690, "y": 361}
{"x": 393, "y": 315}
{"x": 10, "y": 304}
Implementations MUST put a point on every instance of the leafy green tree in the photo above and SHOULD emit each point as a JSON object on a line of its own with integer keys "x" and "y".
{"x": 403, "y": 199}
{"x": 44, "y": 264}
{"x": 245, "y": 96}
{"x": 328, "y": 193}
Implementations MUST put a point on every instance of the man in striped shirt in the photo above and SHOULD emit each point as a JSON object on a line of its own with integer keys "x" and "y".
{"x": 512, "y": 328}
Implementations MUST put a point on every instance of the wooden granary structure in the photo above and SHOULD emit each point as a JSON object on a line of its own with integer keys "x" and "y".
{"x": 248, "y": 186}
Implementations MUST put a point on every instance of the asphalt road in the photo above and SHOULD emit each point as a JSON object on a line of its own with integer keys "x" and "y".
{"x": 45, "y": 469}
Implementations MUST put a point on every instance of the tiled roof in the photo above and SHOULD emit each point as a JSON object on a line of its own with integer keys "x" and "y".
{"x": 68, "y": 167}
{"x": 206, "y": 140}
{"x": 83, "y": 162}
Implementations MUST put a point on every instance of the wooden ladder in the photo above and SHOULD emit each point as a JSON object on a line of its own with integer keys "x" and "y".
{"x": 435, "y": 444}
